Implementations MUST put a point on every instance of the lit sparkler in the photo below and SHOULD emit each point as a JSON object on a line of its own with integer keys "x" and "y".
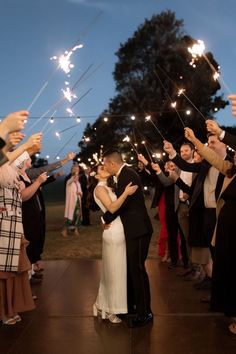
{"x": 149, "y": 119}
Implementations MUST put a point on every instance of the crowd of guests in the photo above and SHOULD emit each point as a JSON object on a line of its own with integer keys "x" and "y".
{"x": 195, "y": 193}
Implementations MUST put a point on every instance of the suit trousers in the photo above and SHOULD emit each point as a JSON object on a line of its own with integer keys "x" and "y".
{"x": 183, "y": 218}
{"x": 137, "y": 278}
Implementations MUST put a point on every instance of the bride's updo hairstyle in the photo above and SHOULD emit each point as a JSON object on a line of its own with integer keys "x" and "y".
{"x": 93, "y": 181}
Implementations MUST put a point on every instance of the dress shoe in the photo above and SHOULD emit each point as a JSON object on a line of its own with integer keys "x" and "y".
{"x": 141, "y": 321}
{"x": 172, "y": 266}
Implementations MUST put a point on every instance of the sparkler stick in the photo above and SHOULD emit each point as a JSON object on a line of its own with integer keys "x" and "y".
{"x": 172, "y": 103}
{"x": 81, "y": 97}
{"x": 148, "y": 152}
{"x": 67, "y": 142}
{"x": 149, "y": 119}
{"x": 127, "y": 139}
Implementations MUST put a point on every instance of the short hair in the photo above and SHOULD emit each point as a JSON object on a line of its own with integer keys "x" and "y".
{"x": 114, "y": 154}
{"x": 188, "y": 143}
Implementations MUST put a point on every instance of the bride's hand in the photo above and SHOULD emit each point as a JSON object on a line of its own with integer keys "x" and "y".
{"x": 129, "y": 189}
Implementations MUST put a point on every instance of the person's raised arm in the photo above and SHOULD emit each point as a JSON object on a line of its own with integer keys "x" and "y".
{"x": 28, "y": 192}
{"x": 112, "y": 206}
{"x": 34, "y": 139}
{"x": 208, "y": 154}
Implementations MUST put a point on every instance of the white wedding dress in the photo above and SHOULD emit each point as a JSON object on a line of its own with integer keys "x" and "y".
{"x": 112, "y": 294}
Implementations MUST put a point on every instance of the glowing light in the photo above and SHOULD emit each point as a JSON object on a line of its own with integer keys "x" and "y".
{"x": 105, "y": 119}
{"x": 188, "y": 112}
{"x": 131, "y": 158}
{"x": 143, "y": 142}
{"x": 47, "y": 156}
{"x": 147, "y": 118}
{"x": 181, "y": 91}
{"x": 216, "y": 75}
{"x": 127, "y": 139}
{"x": 132, "y": 117}
{"x": 158, "y": 155}
{"x": 173, "y": 104}
{"x": 89, "y": 159}
{"x": 216, "y": 109}
{"x": 69, "y": 110}
{"x": 58, "y": 157}
{"x": 58, "y": 135}
{"x": 51, "y": 120}
{"x": 197, "y": 49}
{"x": 78, "y": 120}
{"x": 37, "y": 155}
{"x": 78, "y": 159}
{"x": 87, "y": 139}
{"x": 68, "y": 94}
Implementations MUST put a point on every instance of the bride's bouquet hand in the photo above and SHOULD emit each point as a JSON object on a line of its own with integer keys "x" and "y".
{"x": 129, "y": 189}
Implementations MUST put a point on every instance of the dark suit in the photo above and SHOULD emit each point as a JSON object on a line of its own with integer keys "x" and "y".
{"x": 138, "y": 231}
{"x": 202, "y": 219}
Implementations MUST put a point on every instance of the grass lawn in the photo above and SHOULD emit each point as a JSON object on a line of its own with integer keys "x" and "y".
{"x": 89, "y": 243}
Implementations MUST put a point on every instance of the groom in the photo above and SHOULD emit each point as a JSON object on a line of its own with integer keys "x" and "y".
{"x": 138, "y": 231}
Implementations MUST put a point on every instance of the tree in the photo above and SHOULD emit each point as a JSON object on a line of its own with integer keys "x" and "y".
{"x": 153, "y": 65}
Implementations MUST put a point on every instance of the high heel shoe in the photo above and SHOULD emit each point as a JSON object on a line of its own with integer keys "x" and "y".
{"x": 113, "y": 318}
{"x": 105, "y": 315}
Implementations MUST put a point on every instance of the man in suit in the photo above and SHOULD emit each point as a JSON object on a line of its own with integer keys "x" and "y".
{"x": 204, "y": 193}
{"x": 138, "y": 231}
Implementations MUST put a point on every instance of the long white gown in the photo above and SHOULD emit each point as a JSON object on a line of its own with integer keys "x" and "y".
{"x": 112, "y": 294}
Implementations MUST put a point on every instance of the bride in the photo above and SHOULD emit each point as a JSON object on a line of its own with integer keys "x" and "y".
{"x": 112, "y": 294}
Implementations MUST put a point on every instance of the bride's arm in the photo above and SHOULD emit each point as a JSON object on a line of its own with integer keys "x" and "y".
{"x": 102, "y": 194}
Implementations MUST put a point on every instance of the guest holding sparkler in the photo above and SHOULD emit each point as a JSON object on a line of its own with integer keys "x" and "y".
{"x": 223, "y": 295}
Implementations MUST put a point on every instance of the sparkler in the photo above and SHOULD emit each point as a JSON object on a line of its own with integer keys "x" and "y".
{"x": 148, "y": 152}
{"x": 128, "y": 140}
{"x": 197, "y": 50}
{"x": 149, "y": 119}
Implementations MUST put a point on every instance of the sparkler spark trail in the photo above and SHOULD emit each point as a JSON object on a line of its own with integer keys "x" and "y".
{"x": 81, "y": 97}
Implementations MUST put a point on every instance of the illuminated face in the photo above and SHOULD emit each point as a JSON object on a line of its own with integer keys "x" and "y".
{"x": 109, "y": 166}
{"x": 186, "y": 152}
{"x": 102, "y": 173}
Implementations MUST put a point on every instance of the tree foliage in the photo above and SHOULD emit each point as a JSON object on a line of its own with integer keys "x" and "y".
{"x": 152, "y": 66}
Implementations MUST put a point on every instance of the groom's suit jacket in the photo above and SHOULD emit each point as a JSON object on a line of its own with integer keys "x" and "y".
{"x": 133, "y": 212}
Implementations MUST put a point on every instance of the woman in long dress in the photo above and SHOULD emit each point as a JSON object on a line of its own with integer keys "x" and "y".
{"x": 73, "y": 207}
{"x": 112, "y": 295}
